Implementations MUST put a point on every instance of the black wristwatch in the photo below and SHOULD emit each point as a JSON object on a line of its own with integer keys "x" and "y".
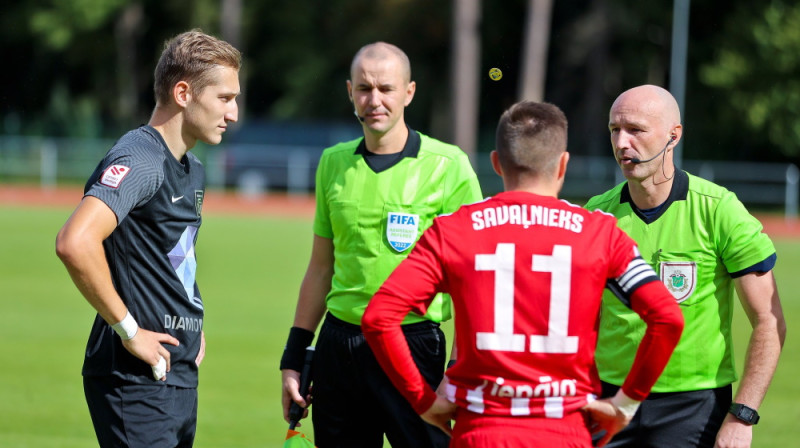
{"x": 744, "y": 413}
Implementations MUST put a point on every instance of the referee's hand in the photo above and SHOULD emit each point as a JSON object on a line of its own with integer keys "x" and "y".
{"x": 148, "y": 346}
{"x": 291, "y": 392}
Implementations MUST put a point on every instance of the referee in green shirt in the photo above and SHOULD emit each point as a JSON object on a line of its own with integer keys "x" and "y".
{"x": 375, "y": 196}
{"x": 704, "y": 245}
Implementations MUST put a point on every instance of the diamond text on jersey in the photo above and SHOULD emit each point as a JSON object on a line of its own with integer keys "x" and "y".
{"x": 183, "y": 323}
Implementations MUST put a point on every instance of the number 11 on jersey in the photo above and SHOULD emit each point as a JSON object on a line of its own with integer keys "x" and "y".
{"x": 559, "y": 265}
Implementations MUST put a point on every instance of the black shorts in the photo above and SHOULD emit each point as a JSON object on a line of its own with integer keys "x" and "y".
{"x": 126, "y": 414}
{"x": 674, "y": 419}
{"x": 355, "y": 403}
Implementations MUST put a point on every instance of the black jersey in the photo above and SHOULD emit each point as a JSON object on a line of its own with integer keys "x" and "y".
{"x": 157, "y": 201}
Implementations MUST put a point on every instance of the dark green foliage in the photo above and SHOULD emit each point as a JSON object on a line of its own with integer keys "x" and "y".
{"x": 71, "y": 73}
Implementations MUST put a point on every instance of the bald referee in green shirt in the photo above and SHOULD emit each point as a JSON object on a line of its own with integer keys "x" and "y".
{"x": 704, "y": 245}
{"x": 375, "y": 196}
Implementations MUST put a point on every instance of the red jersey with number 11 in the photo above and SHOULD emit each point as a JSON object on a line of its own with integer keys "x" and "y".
{"x": 526, "y": 275}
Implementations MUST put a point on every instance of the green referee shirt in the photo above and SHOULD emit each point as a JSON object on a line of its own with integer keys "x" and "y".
{"x": 374, "y": 218}
{"x": 702, "y": 237}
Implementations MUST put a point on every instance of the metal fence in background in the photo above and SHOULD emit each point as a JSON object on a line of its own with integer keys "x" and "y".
{"x": 255, "y": 169}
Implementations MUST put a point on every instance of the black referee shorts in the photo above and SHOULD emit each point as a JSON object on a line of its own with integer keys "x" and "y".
{"x": 674, "y": 419}
{"x": 126, "y": 414}
{"x": 355, "y": 403}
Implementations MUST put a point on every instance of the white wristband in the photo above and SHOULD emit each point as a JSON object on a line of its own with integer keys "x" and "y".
{"x": 127, "y": 327}
{"x": 625, "y": 404}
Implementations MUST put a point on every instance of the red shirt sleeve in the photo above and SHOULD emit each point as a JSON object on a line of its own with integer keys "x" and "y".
{"x": 411, "y": 287}
{"x": 658, "y": 309}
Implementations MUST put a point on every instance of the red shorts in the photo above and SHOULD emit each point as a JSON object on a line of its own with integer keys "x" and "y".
{"x": 483, "y": 431}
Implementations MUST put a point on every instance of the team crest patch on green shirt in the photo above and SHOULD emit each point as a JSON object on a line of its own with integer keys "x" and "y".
{"x": 680, "y": 278}
{"x": 401, "y": 230}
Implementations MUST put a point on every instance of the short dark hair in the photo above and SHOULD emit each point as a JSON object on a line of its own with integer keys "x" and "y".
{"x": 380, "y": 50}
{"x": 190, "y": 57}
{"x": 530, "y": 138}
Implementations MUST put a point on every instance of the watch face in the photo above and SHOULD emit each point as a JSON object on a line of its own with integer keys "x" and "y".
{"x": 744, "y": 413}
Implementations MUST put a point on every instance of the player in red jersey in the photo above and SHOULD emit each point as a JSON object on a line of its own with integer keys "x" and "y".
{"x": 526, "y": 272}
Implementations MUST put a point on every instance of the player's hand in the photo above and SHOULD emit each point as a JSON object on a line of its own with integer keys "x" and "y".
{"x": 440, "y": 413}
{"x": 291, "y": 392}
{"x": 148, "y": 346}
{"x": 734, "y": 433}
{"x": 604, "y": 416}
{"x": 202, "y": 353}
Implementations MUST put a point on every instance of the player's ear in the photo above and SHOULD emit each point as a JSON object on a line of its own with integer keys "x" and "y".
{"x": 181, "y": 94}
{"x": 350, "y": 90}
{"x": 495, "y": 158}
{"x": 563, "y": 160}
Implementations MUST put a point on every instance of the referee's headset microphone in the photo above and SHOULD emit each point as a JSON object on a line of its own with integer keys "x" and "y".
{"x": 637, "y": 160}
{"x": 355, "y": 112}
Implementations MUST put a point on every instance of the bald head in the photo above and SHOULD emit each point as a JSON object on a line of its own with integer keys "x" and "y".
{"x": 653, "y": 101}
{"x": 382, "y": 51}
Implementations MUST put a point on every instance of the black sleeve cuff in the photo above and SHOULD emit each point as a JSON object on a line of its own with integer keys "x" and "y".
{"x": 295, "y": 351}
{"x": 764, "y": 266}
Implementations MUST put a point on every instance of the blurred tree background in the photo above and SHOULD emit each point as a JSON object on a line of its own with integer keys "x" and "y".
{"x": 84, "y": 67}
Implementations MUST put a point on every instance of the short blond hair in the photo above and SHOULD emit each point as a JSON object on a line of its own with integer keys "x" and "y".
{"x": 191, "y": 57}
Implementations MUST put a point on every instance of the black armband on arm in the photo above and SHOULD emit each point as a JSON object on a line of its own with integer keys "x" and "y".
{"x": 295, "y": 351}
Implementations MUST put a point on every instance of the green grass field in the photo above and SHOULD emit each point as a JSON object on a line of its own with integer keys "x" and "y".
{"x": 249, "y": 272}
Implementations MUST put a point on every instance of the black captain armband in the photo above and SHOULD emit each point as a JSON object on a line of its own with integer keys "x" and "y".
{"x": 295, "y": 351}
